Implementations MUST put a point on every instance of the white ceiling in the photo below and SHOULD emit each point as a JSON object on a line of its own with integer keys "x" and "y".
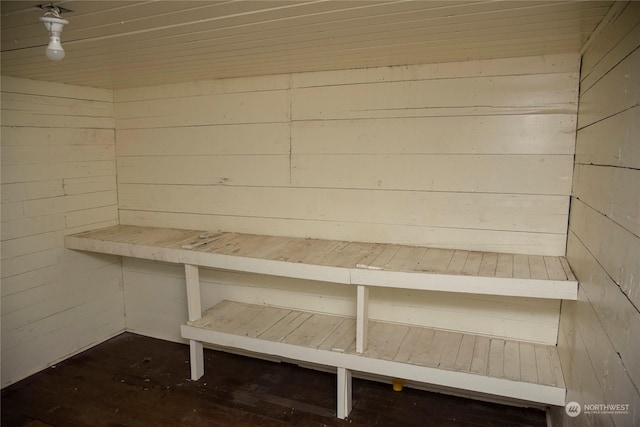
{"x": 118, "y": 44}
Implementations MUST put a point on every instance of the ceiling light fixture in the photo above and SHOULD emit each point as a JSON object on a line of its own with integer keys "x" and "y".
{"x": 54, "y": 23}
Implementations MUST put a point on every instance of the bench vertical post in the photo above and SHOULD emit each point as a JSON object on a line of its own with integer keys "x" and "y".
{"x": 362, "y": 318}
{"x": 344, "y": 393}
{"x": 194, "y": 306}
{"x": 196, "y": 357}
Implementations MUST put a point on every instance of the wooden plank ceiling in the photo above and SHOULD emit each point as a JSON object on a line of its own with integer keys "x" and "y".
{"x": 119, "y": 44}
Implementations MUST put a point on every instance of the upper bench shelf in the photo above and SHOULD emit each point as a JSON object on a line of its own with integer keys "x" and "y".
{"x": 371, "y": 264}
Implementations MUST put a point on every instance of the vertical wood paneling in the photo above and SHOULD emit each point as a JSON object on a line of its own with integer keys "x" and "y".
{"x": 598, "y": 337}
{"x": 58, "y": 177}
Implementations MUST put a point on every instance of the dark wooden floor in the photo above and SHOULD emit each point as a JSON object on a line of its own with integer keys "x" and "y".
{"x": 137, "y": 381}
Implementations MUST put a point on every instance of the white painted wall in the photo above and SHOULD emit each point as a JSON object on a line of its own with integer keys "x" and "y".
{"x": 58, "y": 177}
{"x": 599, "y": 338}
{"x": 475, "y": 155}
{"x": 471, "y": 155}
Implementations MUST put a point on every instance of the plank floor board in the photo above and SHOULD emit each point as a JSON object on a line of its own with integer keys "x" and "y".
{"x": 133, "y": 380}
{"x": 371, "y": 264}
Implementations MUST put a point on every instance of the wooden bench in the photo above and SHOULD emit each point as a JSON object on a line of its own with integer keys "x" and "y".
{"x": 507, "y": 368}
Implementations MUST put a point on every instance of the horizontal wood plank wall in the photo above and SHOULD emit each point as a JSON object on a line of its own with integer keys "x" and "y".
{"x": 475, "y": 155}
{"x": 58, "y": 177}
{"x": 598, "y": 341}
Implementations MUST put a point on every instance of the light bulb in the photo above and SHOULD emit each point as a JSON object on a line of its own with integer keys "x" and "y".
{"x": 54, "y": 25}
{"x": 54, "y": 51}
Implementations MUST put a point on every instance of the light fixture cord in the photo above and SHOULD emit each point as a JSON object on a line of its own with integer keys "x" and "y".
{"x": 53, "y": 11}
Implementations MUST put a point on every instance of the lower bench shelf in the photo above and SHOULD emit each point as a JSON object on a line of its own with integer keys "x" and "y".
{"x": 507, "y": 368}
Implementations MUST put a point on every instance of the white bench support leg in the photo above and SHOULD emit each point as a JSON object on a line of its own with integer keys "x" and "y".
{"x": 192, "y": 276}
{"x": 362, "y": 318}
{"x": 344, "y": 393}
{"x": 196, "y": 355}
{"x": 194, "y": 305}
